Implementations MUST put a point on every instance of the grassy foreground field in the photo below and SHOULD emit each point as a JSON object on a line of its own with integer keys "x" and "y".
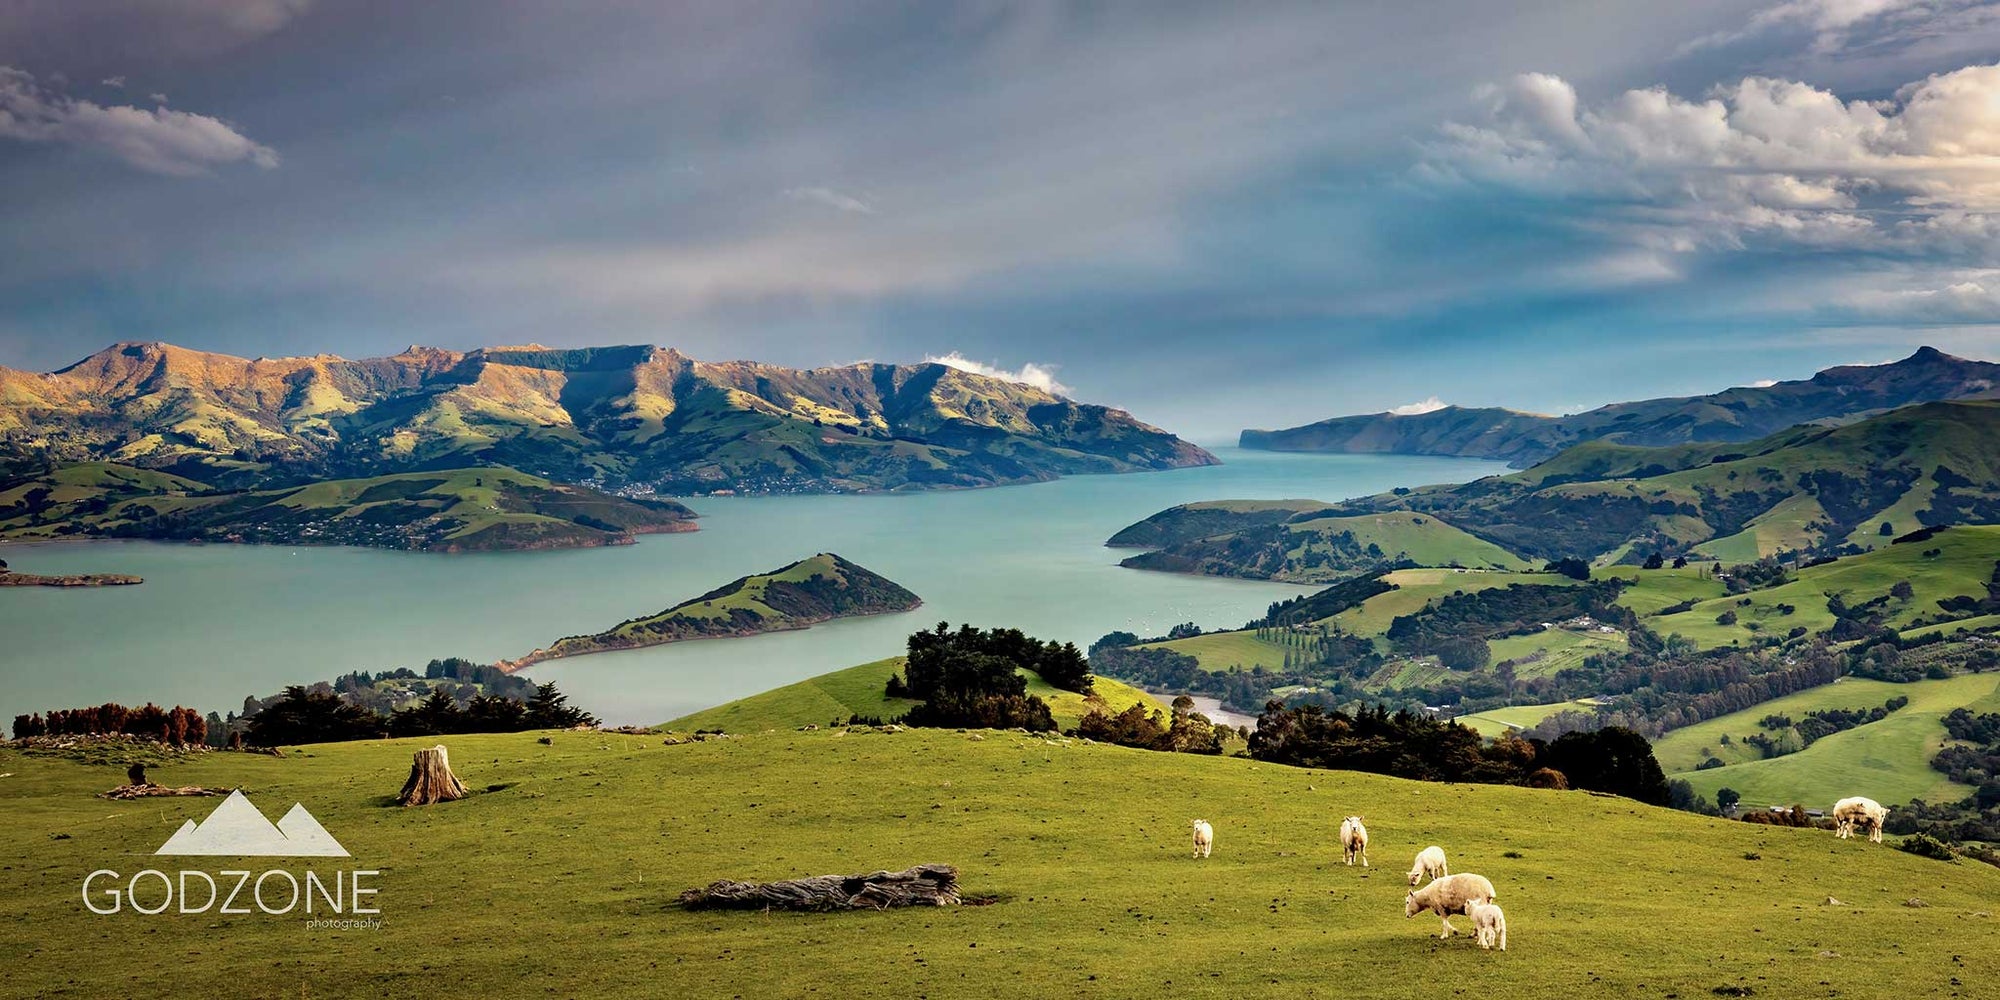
{"x": 560, "y": 880}
{"x": 1888, "y": 761}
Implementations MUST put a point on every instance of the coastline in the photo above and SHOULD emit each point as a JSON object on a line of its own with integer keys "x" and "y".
{"x": 12, "y": 579}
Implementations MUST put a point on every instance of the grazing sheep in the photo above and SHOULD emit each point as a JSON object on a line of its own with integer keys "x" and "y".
{"x": 1447, "y": 896}
{"x": 1354, "y": 840}
{"x": 1430, "y": 864}
{"x": 1489, "y": 923}
{"x": 1204, "y": 838}
{"x": 1857, "y": 810}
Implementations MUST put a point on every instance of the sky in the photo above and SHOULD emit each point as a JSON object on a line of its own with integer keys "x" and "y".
{"x": 1217, "y": 216}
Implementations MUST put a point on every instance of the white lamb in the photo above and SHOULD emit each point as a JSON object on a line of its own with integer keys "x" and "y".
{"x": 1448, "y": 895}
{"x": 1489, "y": 924}
{"x": 1204, "y": 838}
{"x": 1430, "y": 864}
{"x": 1354, "y": 840}
{"x": 1866, "y": 812}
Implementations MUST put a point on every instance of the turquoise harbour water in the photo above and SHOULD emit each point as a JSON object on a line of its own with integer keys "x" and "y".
{"x": 214, "y": 623}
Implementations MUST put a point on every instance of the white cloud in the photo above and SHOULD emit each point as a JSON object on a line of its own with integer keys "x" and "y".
{"x": 1829, "y": 21}
{"x": 1430, "y": 405}
{"x": 157, "y": 98}
{"x": 114, "y": 81}
{"x": 830, "y": 198}
{"x": 1964, "y": 296}
{"x": 1758, "y": 161}
{"x": 1042, "y": 377}
{"x": 159, "y": 140}
{"x": 1763, "y": 383}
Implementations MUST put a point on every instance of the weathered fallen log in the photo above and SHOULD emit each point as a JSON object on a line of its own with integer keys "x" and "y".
{"x": 431, "y": 779}
{"x": 924, "y": 885}
{"x": 151, "y": 791}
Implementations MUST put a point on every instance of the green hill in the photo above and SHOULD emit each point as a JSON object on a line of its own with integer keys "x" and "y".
{"x": 1309, "y": 547}
{"x": 815, "y": 589}
{"x": 1834, "y": 396}
{"x": 1888, "y": 761}
{"x": 449, "y": 510}
{"x": 858, "y": 690}
{"x": 1955, "y": 563}
{"x": 1809, "y": 488}
{"x": 1499, "y": 721}
{"x": 1537, "y": 654}
{"x": 1191, "y": 521}
{"x": 1081, "y": 851}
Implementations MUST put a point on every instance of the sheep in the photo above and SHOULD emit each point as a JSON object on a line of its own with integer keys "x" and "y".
{"x": 1354, "y": 840}
{"x": 1489, "y": 923}
{"x": 1867, "y": 812}
{"x": 1204, "y": 838}
{"x": 1447, "y": 896}
{"x": 1430, "y": 864}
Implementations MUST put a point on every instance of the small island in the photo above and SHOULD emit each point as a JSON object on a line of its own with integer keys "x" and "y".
{"x": 9, "y": 578}
{"x": 803, "y": 594}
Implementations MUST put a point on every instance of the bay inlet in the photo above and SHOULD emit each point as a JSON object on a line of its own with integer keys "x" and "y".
{"x": 214, "y": 623}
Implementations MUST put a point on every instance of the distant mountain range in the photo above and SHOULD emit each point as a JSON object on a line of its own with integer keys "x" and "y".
{"x": 1834, "y": 396}
{"x": 1809, "y": 489}
{"x": 618, "y": 415}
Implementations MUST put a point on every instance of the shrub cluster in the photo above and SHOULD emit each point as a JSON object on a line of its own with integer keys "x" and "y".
{"x": 1411, "y": 745}
{"x": 315, "y": 715}
{"x": 1186, "y": 731}
{"x": 972, "y": 678}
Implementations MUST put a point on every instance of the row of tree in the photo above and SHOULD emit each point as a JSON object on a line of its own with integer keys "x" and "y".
{"x": 1414, "y": 745}
{"x": 308, "y": 715}
{"x": 178, "y": 725}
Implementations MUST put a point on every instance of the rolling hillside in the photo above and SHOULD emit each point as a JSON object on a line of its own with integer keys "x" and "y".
{"x": 1499, "y": 721}
{"x": 1808, "y": 488}
{"x": 1834, "y": 396}
{"x": 449, "y": 510}
{"x": 1410, "y": 591}
{"x": 1888, "y": 761}
{"x": 625, "y": 414}
{"x": 858, "y": 690}
{"x": 1955, "y": 564}
{"x": 815, "y": 589}
{"x": 1079, "y": 850}
{"x": 1384, "y": 639}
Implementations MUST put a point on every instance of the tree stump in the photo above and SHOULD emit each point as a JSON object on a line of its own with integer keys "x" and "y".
{"x": 924, "y": 885}
{"x": 431, "y": 779}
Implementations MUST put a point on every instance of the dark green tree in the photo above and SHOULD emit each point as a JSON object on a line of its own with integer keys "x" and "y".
{"x": 550, "y": 709}
{"x": 302, "y": 716}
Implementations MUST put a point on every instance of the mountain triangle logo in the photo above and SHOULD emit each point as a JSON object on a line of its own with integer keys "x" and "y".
{"x": 237, "y": 829}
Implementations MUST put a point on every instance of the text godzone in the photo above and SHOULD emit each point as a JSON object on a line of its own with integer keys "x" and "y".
{"x": 275, "y": 892}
